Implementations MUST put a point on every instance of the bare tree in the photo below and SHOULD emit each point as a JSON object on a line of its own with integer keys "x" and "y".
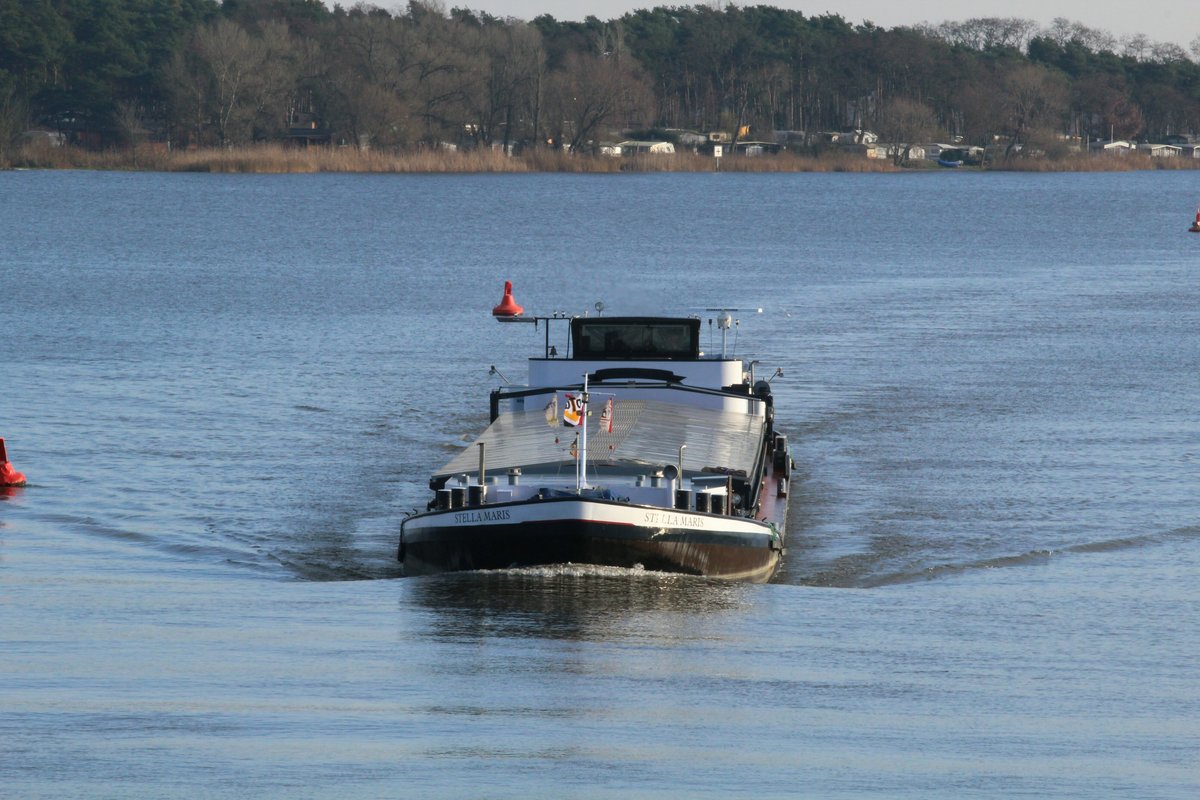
{"x": 14, "y": 116}
{"x": 1167, "y": 52}
{"x": 377, "y": 117}
{"x": 591, "y": 90}
{"x": 1166, "y": 110}
{"x": 360, "y": 83}
{"x": 190, "y": 88}
{"x": 1063, "y": 31}
{"x": 232, "y": 61}
{"x": 1032, "y": 97}
{"x": 1136, "y": 47}
{"x": 509, "y": 105}
{"x": 980, "y": 114}
{"x": 272, "y": 90}
{"x": 904, "y": 122}
{"x": 438, "y": 70}
{"x": 988, "y": 33}
{"x": 1102, "y": 103}
{"x": 130, "y": 117}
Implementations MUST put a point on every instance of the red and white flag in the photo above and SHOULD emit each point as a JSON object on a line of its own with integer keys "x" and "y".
{"x": 606, "y": 416}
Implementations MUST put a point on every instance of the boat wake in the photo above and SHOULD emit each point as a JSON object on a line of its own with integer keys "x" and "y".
{"x": 586, "y": 571}
{"x": 857, "y": 571}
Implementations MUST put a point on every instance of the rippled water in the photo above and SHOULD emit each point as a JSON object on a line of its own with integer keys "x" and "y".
{"x": 227, "y": 390}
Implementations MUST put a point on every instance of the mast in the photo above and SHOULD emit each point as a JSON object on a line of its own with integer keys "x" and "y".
{"x": 581, "y": 467}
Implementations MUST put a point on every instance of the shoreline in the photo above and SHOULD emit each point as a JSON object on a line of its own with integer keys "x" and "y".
{"x": 275, "y": 159}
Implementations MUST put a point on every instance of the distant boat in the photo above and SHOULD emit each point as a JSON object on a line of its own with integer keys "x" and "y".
{"x": 942, "y": 162}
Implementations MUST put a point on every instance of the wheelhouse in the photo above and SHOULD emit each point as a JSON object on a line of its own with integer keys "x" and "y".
{"x": 635, "y": 338}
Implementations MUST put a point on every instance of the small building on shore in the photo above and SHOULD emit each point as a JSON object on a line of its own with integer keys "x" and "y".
{"x": 1114, "y": 146}
{"x": 1160, "y": 150}
{"x": 46, "y": 137}
{"x": 634, "y": 147}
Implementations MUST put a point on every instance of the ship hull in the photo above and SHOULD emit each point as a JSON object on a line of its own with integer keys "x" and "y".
{"x": 592, "y": 532}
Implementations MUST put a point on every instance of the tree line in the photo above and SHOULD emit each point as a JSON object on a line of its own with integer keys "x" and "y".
{"x": 195, "y": 72}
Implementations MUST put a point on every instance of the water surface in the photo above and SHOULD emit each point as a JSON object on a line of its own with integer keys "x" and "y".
{"x": 228, "y": 390}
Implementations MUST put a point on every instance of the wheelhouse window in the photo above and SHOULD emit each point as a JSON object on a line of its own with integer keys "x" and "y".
{"x": 636, "y": 338}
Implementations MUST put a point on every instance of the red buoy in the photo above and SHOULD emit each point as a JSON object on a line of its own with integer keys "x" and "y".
{"x": 508, "y": 306}
{"x": 8, "y": 473}
{"x": 1196, "y": 225}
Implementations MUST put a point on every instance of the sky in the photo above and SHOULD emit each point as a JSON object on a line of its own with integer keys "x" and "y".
{"x": 1173, "y": 22}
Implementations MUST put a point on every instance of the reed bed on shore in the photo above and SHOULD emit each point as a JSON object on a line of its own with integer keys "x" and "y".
{"x": 265, "y": 159}
{"x": 1110, "y": 162}
{"x": 277, "y": 159}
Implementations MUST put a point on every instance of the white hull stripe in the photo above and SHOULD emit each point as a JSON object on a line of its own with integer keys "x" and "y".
{"x": 572, "y": 510}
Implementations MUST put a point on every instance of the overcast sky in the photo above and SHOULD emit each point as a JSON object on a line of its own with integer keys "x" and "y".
{"x": 1170, "y": 21}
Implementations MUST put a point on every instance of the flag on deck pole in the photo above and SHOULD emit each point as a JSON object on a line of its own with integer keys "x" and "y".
{"x": 606, "y": 416}
{"x": 573, "y": 411}
{"x": 552, "y": 411}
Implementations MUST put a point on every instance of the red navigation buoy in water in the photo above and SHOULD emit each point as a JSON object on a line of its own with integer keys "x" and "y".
{"x": 8, "y": 473}
{"x": 1196, "y": 225}
{"x": 508, "y": 306}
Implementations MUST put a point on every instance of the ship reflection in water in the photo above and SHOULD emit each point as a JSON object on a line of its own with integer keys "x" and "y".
{"x": 567, "y": 601}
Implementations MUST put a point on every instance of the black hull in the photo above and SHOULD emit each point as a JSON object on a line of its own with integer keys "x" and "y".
{"x": 731, "y": 556}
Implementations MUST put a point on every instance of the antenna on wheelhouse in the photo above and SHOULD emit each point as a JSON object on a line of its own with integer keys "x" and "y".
{"x": 725, "y": 321}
